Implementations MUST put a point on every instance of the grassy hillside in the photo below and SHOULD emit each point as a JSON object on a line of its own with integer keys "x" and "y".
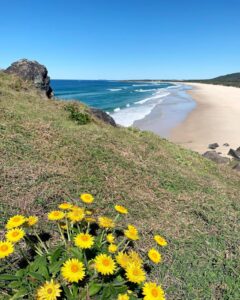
{"x": 46, "y": 157}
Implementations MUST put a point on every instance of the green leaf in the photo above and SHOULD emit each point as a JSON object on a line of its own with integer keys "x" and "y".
{"x": 54, "y": 256}
{"x": 37, "y": 276}
{"x": 94, "y": 288}
{"x": 15, "y": 284}
{"x": 20, "y": 294}
{"x": 8, "y": 277}
{"x": 77, "y": 253}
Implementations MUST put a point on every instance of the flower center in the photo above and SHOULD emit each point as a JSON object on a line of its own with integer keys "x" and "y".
{"x": 56, "y": 213}
{"x": 154, "y": 292}
{"x": 4, "y": 248}
{"x": 49, "y": 291}
{"x": 106, "y": 262}
{"x": 74, "y": 268}
{"x": 135, "y": 272}
{"x": 15, "y": 234}
{"x": 16, "y": 219}
{"x": 85, "y": 238}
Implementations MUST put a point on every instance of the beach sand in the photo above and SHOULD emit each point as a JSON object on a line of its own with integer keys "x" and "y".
{"x": 216, "y": 118}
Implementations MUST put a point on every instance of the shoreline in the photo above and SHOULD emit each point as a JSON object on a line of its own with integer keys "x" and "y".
{"x": 171, "y": 111}
{"x": 216, "y": 118}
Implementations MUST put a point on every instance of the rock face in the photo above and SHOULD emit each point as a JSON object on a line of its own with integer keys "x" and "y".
{"x": 102, "y": 115}
{"x": 234, "y": 153}
{"x": 32, "y": 71}
{"x": 214, "y": 156}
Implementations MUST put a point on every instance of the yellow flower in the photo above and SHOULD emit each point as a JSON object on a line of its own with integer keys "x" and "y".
{"x": 76, "y": 215}
{"x": 135, "y": 258}
{"x": 64, "y": 226}
{"x": 110, "y": 238}
{"x": 73, "y": 270}
{"x": 152, "y": 291}
{"x": 121, "y": 209}
{"x": 123, "y": 297}
{"x": 89, "y": 212}
{"x": 49, "y": 291}
{"x": 112, "y": 248}
{"x": 104, "y": 264}
{"x": 32, "y": 220}
{"x": 154, "y": 255}
{"x": 56, "y": 215}
{"x": 65, "y": 205}
{"x": 135, "y": 273}
{"x": 14, "y": 235}
{"x": 15, "y": 221}
{"x": 131, "y": 233}
{"x": 90, "y": 220}
{"x": 160, "y": 240}
{"x": 122, "y": 259}
{"x": 87, "y": 198}
{"x": 6, "y": 248}
{"x": 84, "y": 240}
{"x": 106, "y": 222}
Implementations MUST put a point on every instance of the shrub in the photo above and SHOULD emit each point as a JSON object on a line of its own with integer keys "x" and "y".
{"x": 89, "y": 256}
{"x": 80, "y": 117}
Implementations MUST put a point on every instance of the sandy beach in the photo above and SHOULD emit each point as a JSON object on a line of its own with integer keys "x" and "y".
{"x": 216, "y": 118}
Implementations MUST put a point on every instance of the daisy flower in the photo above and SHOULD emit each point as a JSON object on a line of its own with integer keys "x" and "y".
{"x": 56, "y": 215}
{"x": 15, "y": 221}
{"x": 154, "y": 256}
{"x": 73, "y": 270}
{"x": 121, "y": 209}
{"x": 14, "y": 235}
{"x": 84, "y": 240}
{"x": 49, "y": 291}
{"x": 104, "y": 264}
{"x": 6, "y": 248}
{"x": 160, "y": 240}
{"x": 152, "y": 291}
{"x": 87, "y": 198}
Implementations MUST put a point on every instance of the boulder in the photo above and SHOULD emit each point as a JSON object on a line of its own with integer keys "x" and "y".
{"x": 213, "y": 146}
{"x": 214, "y": 156}
{"x": 226, "y": 145}
{"x": 102, "y": 115}
{"x": 234, "y": 153}
{"x": 32, "y": 71}
{"x": 237, "y": 167}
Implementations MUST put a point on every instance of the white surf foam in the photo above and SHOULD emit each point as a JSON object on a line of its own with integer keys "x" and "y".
{"x": 143, "y": 91}
{"x": 114, "y": 90}
{"x": 152, "y": 98}
{"x": 127, "y": 116}
{"x": 117, "y": 109}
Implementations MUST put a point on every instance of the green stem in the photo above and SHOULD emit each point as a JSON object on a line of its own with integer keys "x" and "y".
{"x": 68, "y": 234}
{"x": 41, "y": 242}
{"x": 61, "y": 233}
{"x": 102, "y": 236}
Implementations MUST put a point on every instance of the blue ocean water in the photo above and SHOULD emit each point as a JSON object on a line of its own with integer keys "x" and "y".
{"x": 125, "y": 101}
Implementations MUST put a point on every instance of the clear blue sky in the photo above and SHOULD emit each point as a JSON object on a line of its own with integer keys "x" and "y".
{"x": 123, "y": 39}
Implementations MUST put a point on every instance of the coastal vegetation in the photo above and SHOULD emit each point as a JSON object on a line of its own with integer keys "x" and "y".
{"x": 227, "y": 80}
{"x": 48, "y": 158}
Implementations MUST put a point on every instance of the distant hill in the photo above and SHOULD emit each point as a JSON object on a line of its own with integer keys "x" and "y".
{"x": 228, "y": 80}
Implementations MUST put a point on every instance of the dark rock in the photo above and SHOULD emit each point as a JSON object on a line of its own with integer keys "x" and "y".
{"x": 214, "y": 156}
{"x": 238, "y": 150}
{"x": 213, "y": 146}
{"x": 234, "y": 153}
{"x": 102, "y": 115}
{"x": 226, "y": 145}
{"x": 237, "y": 167}
{"x": 32, "y": 71}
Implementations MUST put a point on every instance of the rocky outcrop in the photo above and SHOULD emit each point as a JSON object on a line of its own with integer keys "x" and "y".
{"x": 103, "y": 116}
{"x": 213, "y": 146}
{"x": 32, "y": 71}
{"x": 234, "y": 153}
{"x": 214, "y": 156}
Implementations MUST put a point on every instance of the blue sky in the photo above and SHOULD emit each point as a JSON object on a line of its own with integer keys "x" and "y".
{"x": 123, "y": 39}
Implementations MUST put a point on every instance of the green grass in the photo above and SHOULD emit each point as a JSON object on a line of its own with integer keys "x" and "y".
{"x": 45, "y": 157}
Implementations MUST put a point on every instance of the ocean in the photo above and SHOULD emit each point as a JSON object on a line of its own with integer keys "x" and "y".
{"x": 126, "y": 102}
